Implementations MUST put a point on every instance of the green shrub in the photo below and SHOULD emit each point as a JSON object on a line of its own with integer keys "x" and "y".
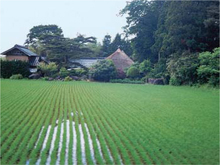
{"x": 45, "y": 78}
{"x": 9, "y": 68}
{"x": 175, "y": 81}
{"x": 48, "y": 69}
{"x": 103, "y": 71}
{"x": 80, "y": 72}
{"x": 182, "y": 68}
{"x": 63, "y": 72}
{"x": 208, "y": 70}
{"x": 145, "y": 67}
{"x": 16, "y": 76}
{"x": 144, "y": 79}
{"x": 68, "y": 78}
{"x": 133, "y": 72}
{"x": 72, "y": 72}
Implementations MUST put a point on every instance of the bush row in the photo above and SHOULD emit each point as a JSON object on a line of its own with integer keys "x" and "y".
{"x": 9, "y": 68}
{"x": 128, "y": 81}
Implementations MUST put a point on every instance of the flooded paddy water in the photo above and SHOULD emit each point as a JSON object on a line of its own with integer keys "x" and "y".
{"x": 67, "y": 140}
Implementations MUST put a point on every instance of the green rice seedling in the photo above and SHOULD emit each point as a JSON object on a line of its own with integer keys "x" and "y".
{"x": 53, "y": 133}
{"x": 29, "y": 142}
{"x": 18, "y": 140}
{"x": 35, "y": 155}
{"x": 126, "y": 124}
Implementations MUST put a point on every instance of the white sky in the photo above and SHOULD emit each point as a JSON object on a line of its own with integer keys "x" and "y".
{"x": 90, "y": 17}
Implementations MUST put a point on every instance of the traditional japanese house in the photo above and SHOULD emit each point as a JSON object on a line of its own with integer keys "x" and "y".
{"x": 22, "y": 53}
{"x": 120, "y": 59}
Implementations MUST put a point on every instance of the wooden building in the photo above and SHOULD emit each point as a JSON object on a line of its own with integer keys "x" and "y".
{"x": 24, "y": 54}
{"x": 119, "y": 58}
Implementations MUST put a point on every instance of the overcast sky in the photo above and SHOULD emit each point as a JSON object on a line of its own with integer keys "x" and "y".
{"x": 90, "y": 17}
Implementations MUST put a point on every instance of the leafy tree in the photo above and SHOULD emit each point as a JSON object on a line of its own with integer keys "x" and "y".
{"x": 208, "y": 70}
{"x": 63, "y": 72}
{"x": 133, "y": 72}
{"x": 142, "y": 23}
{"x": 44, "y": 34}
{"x": 48, "y": 69}
{"x": 95, "y": 49}
{"x": 182, "y": 68}
{"x": 212, "y": 25}
{"x": 103, "y": 71}
{"x": 121, "y": 43}
{"x": 106, "y": 51}
{"x": 49, "y": 40}
{"x": 171, "y": 33}
{"x": 145, "y": 67}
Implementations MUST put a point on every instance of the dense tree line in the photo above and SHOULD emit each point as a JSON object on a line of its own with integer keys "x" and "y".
{"x": 173, "y": 40}
{"x": 49, "y": 41}
{"x": 109, "y": 47}
{"x": 171, "y": 34}
{"x": 162, "y": 28}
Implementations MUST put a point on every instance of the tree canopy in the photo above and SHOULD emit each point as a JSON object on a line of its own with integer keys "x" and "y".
{"x": 48, "y": 40}
{"x": 162, "y": 28}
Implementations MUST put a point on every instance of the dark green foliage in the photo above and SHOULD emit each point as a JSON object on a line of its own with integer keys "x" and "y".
{"x": 49, "y": 40}
{"x": 45, "y": 78}
{"x": 142, "y": 22}
{"x": 105, "y": 51}
{"x": 9, "y": 68}
{"x": 109, "y": 47}
{"x": 68, "y": 78}
{"x": 63, "y": 72}
{"x": 16, "y": 76}
{"x": 208, "y": 70}
{"x": 103, "y": 71}
{"x": 160, "y": 69}
{"x": 133, "y": 72}
{"x": 145, "y": 67}
{"x": 77, "y": 72}
{"x": 48, "y": 69}
{"x": 81, "y": 72}
{"x": 182, "y": 69}
{"x": 121, "y": 43}
{"x": 165, "y": 30}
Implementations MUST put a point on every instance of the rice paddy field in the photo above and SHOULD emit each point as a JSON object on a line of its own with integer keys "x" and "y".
{"x": 102, "y": 123}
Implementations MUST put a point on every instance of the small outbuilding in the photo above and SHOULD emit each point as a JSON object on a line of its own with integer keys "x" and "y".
{"x": 120, "y": 59}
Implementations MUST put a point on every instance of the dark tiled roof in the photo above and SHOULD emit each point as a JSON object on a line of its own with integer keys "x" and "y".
{"x": 34, "y": 61}
{"x": 44, "y": 59}
{"x": 23, "y": 49}
{"x": 88, "y": 58}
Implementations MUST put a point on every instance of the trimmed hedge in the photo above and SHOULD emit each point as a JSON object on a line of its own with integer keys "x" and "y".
{"x": 127, "y": 81}
{"x": 9, "y": 68}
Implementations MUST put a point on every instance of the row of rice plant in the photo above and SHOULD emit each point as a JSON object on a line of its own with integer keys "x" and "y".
{"x": 95, "y": 123}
